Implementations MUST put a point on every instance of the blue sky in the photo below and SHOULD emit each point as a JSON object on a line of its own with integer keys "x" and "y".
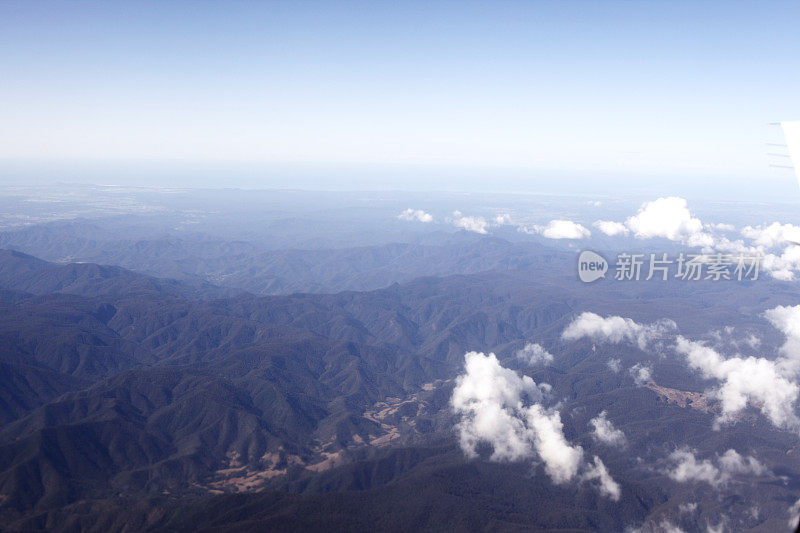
{"x": 656, "y": 90}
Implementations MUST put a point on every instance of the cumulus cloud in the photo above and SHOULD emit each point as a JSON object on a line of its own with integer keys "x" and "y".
{"x": 605, "y": 432}
{"x": 669, "y": 527}
{"x": 563, "y": 229}
{"x": 687, "y": 468}
{"x": 752, "y": 341}
{"x": 732, "y": 463}
{"x": 474, "y": 224}
{"x": 555, "y": 229}
{"x": 727, "y": 338}
{"x": 558, "y": 229}
{"x": 597, "y": 471}
{"x": 776, "y": 243}
{"x": 780, "y": 255}
{"x": 719, "y": 528}
{"x": 415, "y": 214}
{"x": 503, "y": 219}
{"x": 773, "y": 235}
{"x": 721, "y": 227}
{"x": 561, "y": 461}
{"x": 615, "y": 365}
{"x": 664, "y": 526}
{"x": 478, "y": 224}
{"x": 498, "y": 407}
{"x": 533, "y": 354}
{"x": 616, "y": 329}
{"x": 787, "y": 320}
{"x": 769, "y": 386}
{"x": 671, "y": 219}
{"x": 744, "y": 381}
{"x": 611, "y": 228}
{"x": 641, "y": 374}
{"x": 783, "y": 266}
{"x": 490, "y": 399}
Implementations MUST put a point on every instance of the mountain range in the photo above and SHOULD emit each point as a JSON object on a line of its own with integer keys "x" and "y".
{"x": 131, "y": 402}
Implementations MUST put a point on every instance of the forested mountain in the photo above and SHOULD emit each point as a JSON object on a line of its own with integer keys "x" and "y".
{"x": 328, "y": 411}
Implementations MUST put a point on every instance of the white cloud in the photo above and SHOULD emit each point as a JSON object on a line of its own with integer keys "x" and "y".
{"x": 665, "y": 526}
{"x": 605, "y": 432}
{"x": 770, "y": 386}
{"x": 787, "y": 320}
{"x": 721, "y": 226}
{"x": 533, "y": 354}
{"x": 474, "y": 224}
{"x": 641, "y": 374}
{"x": 489, "y": 399}
{"x": 565, "y": 229}
{"x": 561, "y": 461}
{"x": 669, "y": 218}
{"x": 752, "y": 341}
{"x": 415, "y": 214}
{"x": 775, "y": 244}
{"x": 606, "y": 484}
{"x": 726, "y": 337}
{"x": 615, "y": 365}
{"x": 616, "y": 329}
{"x": 558, "y": 229}
{"x": 783, "y": 266}
{"x": 732, "y": 463}
{"x": 687, "y": 468}
{"x": 611, "y": 228}
{"x": 503, "y": 219}
{"x": 492, "y": 403}
{"x": 719, "y": 528}
{"x": 499, "y": 407}
{"x": 767, "y": 385}
{"x": 757, "y": 382}
{"x": 773, "y": 235}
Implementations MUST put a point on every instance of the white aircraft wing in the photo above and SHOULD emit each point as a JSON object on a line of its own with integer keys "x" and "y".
{"x": 791, "y": 131}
